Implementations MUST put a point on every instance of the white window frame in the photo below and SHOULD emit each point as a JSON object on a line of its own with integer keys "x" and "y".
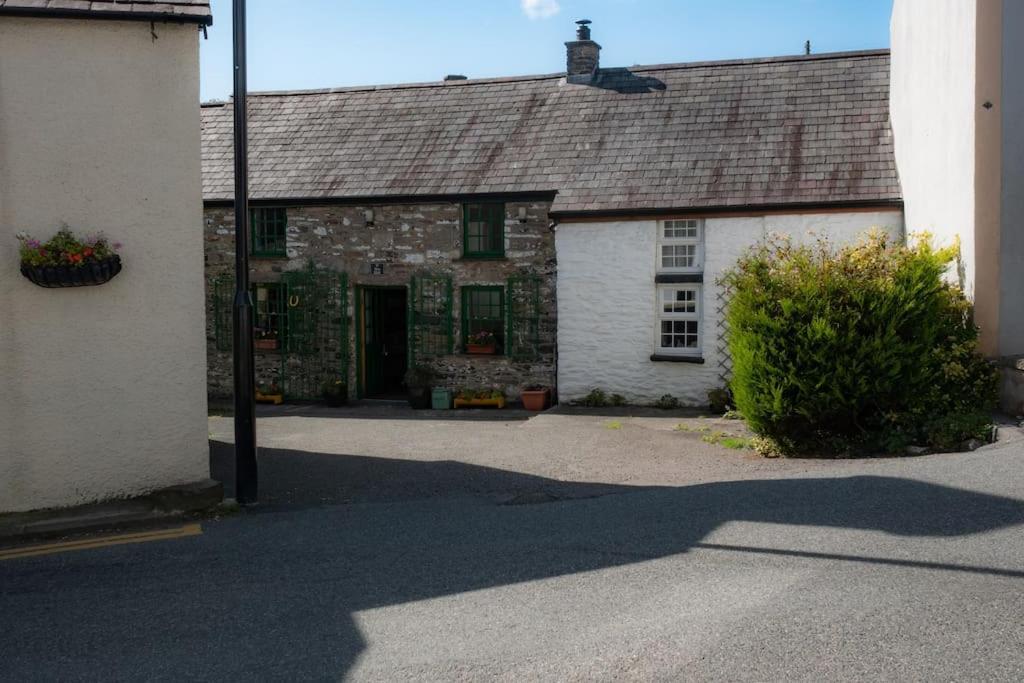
{"x": 697, "y": 242}
{"x": 696, "y": 316}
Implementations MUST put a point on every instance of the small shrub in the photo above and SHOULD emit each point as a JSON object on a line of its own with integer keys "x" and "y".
{"x": 614, "y": 424}
{"x": 866, "y": 349}
{"x": 732, "y": 415}
{"x": 720, "y": 400}
{"x": 617, "y": 400}
{"x": 595, "y": 399}
{"x": 765, "y": 447}
{"x": 667, "y": 402}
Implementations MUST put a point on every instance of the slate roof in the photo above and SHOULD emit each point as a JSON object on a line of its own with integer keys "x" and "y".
{"x": 197, "y": 11}
{"x": 779, "y": 131}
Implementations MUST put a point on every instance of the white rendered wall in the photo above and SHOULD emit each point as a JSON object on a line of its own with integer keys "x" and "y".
{"x": 932, "y": 107}
{"x": 103, "y": 388}
{"x": 606, "y": 299}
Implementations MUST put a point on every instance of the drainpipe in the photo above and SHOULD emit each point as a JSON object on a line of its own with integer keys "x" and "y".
{"x": 246, "y": 488}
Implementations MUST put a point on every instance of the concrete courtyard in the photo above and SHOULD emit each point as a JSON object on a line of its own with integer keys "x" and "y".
{"x": 560, "y": 547}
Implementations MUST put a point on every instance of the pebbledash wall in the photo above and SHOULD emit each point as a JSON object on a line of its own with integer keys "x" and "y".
{"x": 408, "y": 239}
{"x": 607, "y": 299}
{"x": 103, "y": 387}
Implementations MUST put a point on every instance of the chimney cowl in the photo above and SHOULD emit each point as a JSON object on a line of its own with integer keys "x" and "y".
{"x": 583, "y": 29}
{"x": 582, "y": 56}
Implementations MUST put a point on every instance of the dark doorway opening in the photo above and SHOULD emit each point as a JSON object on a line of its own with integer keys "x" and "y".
{"x": 385, "y": 351}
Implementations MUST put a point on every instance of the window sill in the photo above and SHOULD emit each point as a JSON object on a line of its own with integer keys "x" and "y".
{"x": 673, "y": 358}
{"x": 482, "y": 257}
{"x": 270, "y": 257}
{"x": 679, "y": 277}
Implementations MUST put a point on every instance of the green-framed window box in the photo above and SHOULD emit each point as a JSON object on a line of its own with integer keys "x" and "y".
{"x": 483, "y": 319}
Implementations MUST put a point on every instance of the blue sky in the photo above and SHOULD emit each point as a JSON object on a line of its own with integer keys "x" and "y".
{"x": 328, "y": 43}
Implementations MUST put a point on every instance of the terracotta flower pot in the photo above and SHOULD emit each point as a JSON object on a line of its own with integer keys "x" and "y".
{"x": 265, "y": 344}
{"x": 535, "y": 400}
{"x": 481, "y": 349}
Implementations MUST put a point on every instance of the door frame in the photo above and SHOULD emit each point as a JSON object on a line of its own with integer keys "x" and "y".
{"x": 360, "y": 309}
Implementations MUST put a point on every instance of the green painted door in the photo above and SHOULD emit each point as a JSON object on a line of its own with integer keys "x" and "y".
{"x": 385, "y": 341}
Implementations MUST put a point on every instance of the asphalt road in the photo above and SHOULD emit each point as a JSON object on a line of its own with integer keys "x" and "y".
{"x": 909, "y": 570}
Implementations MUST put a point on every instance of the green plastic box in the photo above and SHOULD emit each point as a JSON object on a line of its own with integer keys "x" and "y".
{"x": 441, "y": 399}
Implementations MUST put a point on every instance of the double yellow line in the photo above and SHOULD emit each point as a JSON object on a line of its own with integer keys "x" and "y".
{"x": 101, "y": 542}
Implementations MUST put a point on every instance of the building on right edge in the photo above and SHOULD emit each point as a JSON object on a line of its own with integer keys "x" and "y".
{"x": 956, "y": 107}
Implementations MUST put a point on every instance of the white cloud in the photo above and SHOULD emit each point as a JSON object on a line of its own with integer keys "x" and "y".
{"x": 540, "y": 9}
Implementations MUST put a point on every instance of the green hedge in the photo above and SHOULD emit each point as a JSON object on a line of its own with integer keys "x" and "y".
{"x": 864, "y": 349}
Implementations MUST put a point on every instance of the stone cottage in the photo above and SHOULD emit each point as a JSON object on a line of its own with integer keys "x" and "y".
{"x": 579, "y": 219}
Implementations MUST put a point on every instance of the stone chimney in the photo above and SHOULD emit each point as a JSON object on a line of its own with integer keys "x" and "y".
{"x": 582, "y": 56}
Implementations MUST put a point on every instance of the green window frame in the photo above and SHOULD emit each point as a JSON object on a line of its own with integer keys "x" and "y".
{"x": 483, "y": 230}
{"x": 270, "y": 313}
{"x": 269, "y": 231}
{"x": 483, "y": 308}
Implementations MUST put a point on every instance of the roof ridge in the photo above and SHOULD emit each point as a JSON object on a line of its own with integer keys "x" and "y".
{"x": 469, "y": 82}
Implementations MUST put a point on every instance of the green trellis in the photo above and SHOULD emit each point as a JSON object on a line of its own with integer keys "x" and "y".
{"x": 315, "y": 341}
{"x": 316, "y": 333}
{"x": 523, "y": 317}
{"x": 430, "y": 317}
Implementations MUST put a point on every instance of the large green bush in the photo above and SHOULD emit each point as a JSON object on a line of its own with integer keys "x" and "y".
{"x": 864, "y": 349}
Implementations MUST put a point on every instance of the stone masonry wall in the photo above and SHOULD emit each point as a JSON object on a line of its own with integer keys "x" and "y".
{"x": 408, "y": 239}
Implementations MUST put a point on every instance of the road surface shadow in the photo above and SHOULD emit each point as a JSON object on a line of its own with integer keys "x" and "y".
{"x": 270, "y": 596}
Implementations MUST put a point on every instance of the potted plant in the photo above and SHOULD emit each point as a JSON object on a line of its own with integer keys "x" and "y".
{"x": 483, "y": 343}
{"x": 418, "y": 380}
{"x": 336, "y": 392}
{"x": 67, "y": 261}
{"x": 269, "y": 393}
{"x": 535, "y": 397}
{"x": 265, "y": 340}
{"x": 486, "y": 398}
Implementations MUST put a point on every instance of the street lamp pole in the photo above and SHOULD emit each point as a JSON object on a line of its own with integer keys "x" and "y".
{"x": 246, "y": 486}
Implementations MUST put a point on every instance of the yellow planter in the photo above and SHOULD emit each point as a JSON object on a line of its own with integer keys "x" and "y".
{"x": 480, "y": 403}
{"x": 276, "y": 399}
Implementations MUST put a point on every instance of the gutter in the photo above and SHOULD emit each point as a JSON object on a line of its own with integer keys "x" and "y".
{"x": 115, "y": 15}
{"x": 744, "y": 209}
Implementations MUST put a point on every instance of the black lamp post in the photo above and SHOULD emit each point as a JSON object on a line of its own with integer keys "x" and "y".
{"x": 246, "y": 486}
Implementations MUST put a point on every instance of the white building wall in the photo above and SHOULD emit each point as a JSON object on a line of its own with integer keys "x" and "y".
{"x": 932, "y": 108}
{"x": 103, "y": 388}
{"x": 607, "y": 299}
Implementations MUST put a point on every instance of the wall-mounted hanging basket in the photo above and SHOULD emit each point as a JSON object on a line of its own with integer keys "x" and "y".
{"x": 85, "y": 275}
